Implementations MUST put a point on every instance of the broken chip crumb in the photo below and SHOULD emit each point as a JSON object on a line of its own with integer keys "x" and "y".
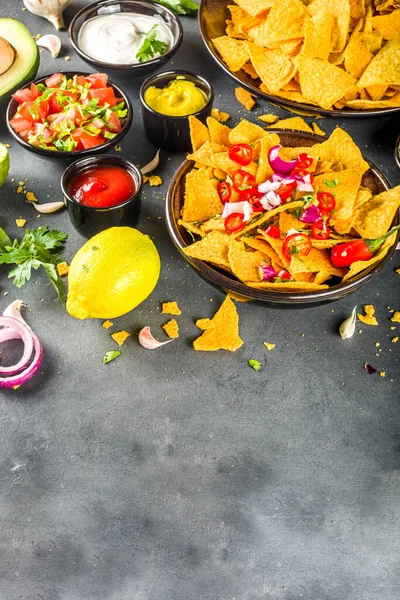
{"x": 245, "y": 98}
{"x": 368, "y": 318}
{"x": 382, "y": 373}
{"x": 20, "y": 222}
{"x": 120, "y": 337}
{"x": 30, "y": 196}
{"x": 20, "y": 189}
{"x": 67, "y": 58}
{"x": 62, "y": 269}
{"x": 377, "y": 344}
{"x": 219, "y": 115}
{"x": 269, "y": 346}
{"x": 171, "y": 329}
{"x": 395, "y": 339}
{"x": 155, "y": 180}
{"x": 170, "y": 308}
{"x": 396, "y": 317}
{"x": 398, "y": 271}
{"x": 117, "y": 148}
{"x": 268, "y": 118}
{"x": 107, "y": 324}
{"x": 204, "y": 324}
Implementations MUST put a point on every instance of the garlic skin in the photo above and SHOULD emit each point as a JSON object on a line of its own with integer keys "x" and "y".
{"x": 49, "y": 9}
{"x": 153, "y": 164}
{"x": 148, "y": 341}
{"x": 348, "y": 326}
{"x": 51, "y": 42}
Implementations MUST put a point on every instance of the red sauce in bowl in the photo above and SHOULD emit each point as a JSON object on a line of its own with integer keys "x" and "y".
{"x": 103, "y": 187}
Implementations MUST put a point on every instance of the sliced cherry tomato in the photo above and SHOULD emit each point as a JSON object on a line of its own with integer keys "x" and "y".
{"x": 273, "y": 231}
{"x": 326, "y": 201}
{"x": 296, "y": 243}
{"x": 304, "y": 161}
{"x": 234, "y": 222}
{"x": 283, "y": 274}
{"x": 242, "y": 180}
{"x": 224, "y": 191}
{"x": 105, "y": 95}
{"x": 286, "y": 190}
{"x": 241, "y": 153}
{"x": 320, "y": 230}
{"x": 54, "y": 80}
{"x": 24, "y": 95}
{"x": 302, "y": 173}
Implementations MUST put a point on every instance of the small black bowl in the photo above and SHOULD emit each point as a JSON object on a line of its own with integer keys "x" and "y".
{"x": 89, "y": 220}
{"x": 165, "y": 131}
{"x": 397, "y": 152}
{"x": 119, "y": 93}
{"x": 141, "y": 7}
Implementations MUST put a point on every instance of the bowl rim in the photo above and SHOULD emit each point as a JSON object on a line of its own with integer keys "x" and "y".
{"x": 115, "y": 66}
{"x": 62, "y": 153}
{"x": 226, "y": 282}
{"x": 397, "y": 151}
{"x": 337, "y": 112}
{"x": 101, "y": 158}
{"x": 174, "y": 72}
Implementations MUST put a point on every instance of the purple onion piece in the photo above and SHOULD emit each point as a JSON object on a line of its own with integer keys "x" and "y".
{"x": 369, "y": 368}
{"x": 266, "y": 272}
{"x": 310, "y": 215}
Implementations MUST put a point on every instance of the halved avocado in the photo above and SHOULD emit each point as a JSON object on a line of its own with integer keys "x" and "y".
{"x": 26, "y": 56}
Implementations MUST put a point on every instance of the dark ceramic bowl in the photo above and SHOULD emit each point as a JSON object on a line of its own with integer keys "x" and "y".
{"x": 142, "y": 7}
{"x": 119, "y": 93}
{"x": 89, "y": 220}
{"x": 212, "y": 23}
{"x": 397, "y": 151}
{"x": 373, "y": 179}
{"x": 164, "y": 131}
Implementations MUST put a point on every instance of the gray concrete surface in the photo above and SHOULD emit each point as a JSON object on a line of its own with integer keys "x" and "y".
{"x": 176, "y": 475}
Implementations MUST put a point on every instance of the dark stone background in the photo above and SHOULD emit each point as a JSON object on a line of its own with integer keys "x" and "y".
{"x": 175, "y": 474}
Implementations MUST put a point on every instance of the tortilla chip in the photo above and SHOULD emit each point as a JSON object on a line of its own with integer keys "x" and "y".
{"x": 219, "y": 134}
{"x": 322, "y": 82}
{"x": 346, "y": 189}
{"x": 294, "y": 123}
{"x": 384, "y": 68}
{"x": 218, "y": 115}
{"x": 284, "y": 22}
{"x": 340, "y": 10}
{"x": 213, "y": 224}
{"x": 198, "y": 133}
{"x": 222, "y": 161}
{"x": 368, "y": 104}
{"x": 171, "y": 328}
{"x": 246, "y": 132}
{"x": 250, "y": 70}
{"x": 255, "y": 7}
{"x": 234, "y": 52}
{"x": 357, "y": 9}
{"x": 274, "y": 68}
{"x": 201, "y": 196}
{"x": 373, "y": 41}
{"x": 268, "y": 118}
{"x": 213, "y": 248}
{"x": 340, "y": 148}
{"x": 315, "y": 261}
{"x": 356, "y": 56}
{"x": 388, "y": 25}
{"x": 291, "y": 286}
{"x": 276, "y": 245}
{"x": 120, "y": 337}
{"x": 244, "y": 264}
{"x": 375, "y": 216}
{"x": 204, "y": 155}
{"x": 294, "y": 96}
{"x": 204, "y": 324}
{"x": 245, "y": 98}
{"x": 317, "y": 129}
{"x": 330, "y": 243}
{"x": 266, "y": 216}
{"x": 170, "y": 308}
{"x": 265, "y": 170}
{"x": 190, "y": 227}
{"x": 260, "y": 245}
{"x": 264, "y": 246}
{"x": 376, "y": 92}
{"x": 321, "y": 277}
{"x": 318, "y": 35}
{"x": 361, "y": 265}
{"x": 224, "y": 332}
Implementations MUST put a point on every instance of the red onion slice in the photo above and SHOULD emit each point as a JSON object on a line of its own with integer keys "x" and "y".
{"x": 25, "y": 334}
{"x": 283, "y": 167}
{"x": 310, "y": 215}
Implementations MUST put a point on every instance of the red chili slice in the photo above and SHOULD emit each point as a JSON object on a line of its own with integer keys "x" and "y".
{"x": 224, "y": 191}
{"x": 283, "y": 274}
{"x": 326, "y": 201}
{"x": 273, "y": 231}
{"x": 304, "y": 161}
{"x": 241, "y": 153}
{"x": 242, "y": 180}
{"x": 250, "y": 193}
{"x": 320, "y": 230}
{"x": 297, "y": 243}
{"x": 302, "y": 173}
{"x": 234, "y": 222}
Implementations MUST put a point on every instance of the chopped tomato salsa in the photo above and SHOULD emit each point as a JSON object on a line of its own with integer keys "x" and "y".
{"x": 64, "y": 114}
{"x": 103, "y": 186}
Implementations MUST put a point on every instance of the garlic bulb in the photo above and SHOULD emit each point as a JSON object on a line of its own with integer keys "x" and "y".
{"x": 348, "y": 326}
{"x": 49, "y": 9}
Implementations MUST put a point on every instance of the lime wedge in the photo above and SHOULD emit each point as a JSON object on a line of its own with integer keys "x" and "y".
{"x": 4, "y": 163}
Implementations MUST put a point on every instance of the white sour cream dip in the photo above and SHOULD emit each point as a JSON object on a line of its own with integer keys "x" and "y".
{"x": 116, "y": 38}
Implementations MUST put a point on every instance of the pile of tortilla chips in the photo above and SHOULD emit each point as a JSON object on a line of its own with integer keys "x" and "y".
{"x": 338, "y": 167}
{"x": 326, "y": 53}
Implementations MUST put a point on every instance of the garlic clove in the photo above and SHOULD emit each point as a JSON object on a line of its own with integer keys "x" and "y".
{"x": 153, "y": 164}
{"x": 51, "y": 42}
{"x": 148, "y": 341}
{"x": 348, "y": 326}
{"x": 48, "y": 207}
{"x": 49, "y": 9}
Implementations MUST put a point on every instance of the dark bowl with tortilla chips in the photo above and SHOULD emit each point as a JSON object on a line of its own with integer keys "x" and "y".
{"x": 308, "y": 58}
{"x": 372, "y": 179}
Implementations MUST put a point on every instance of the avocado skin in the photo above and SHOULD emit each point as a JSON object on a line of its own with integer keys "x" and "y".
{"x": 20, "y": 39}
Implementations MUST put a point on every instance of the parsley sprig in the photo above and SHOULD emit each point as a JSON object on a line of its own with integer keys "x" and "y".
{"x": 180, "y": 7}
{"x": 151, "y": 46}
{"x": 36, "y": 249}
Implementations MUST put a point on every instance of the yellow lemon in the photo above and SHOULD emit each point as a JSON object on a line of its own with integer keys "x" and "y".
{"x": 112, "y": 273}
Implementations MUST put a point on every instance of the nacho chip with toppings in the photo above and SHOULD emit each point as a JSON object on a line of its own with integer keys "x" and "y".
{"x": 213, "y": 248}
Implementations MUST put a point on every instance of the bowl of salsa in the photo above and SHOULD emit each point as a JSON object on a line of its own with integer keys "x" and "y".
{"x": 102, "y": 192}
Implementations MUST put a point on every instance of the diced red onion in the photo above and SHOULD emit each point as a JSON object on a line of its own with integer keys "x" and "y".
{"x": 310, "y": 215}
{"x": 268, "y": 186}
{"x": 270, "y": 200}
{"x": 278, "y": 164}
{"x": 243, "y": 208}
{"x": 266, "y": 272}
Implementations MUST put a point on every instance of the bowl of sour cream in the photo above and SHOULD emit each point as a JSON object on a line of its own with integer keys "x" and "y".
{"x": 132, "y": 36}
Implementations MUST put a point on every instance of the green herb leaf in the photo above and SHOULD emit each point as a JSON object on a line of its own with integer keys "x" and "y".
{"x": 4, "y": 239}
{"x": 181, "y": 7}
{"x": 331, "y": 183}
{"x": 111, "y": 355}
{"x": 151, "y": 46}
{"x": 254, "y": 364}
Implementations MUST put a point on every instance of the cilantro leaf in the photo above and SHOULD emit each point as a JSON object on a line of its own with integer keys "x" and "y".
{"x": 111, "y": 355}
{"x": 4, "y": 239}
{"x": 151, "y": 46}
{"x": 255, "y": 364}
{"x": 180, "y": 7}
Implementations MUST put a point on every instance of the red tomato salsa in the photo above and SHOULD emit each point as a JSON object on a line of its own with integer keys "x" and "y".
{"x": 68, "y": 114}
{"x": 102, "y": 187}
